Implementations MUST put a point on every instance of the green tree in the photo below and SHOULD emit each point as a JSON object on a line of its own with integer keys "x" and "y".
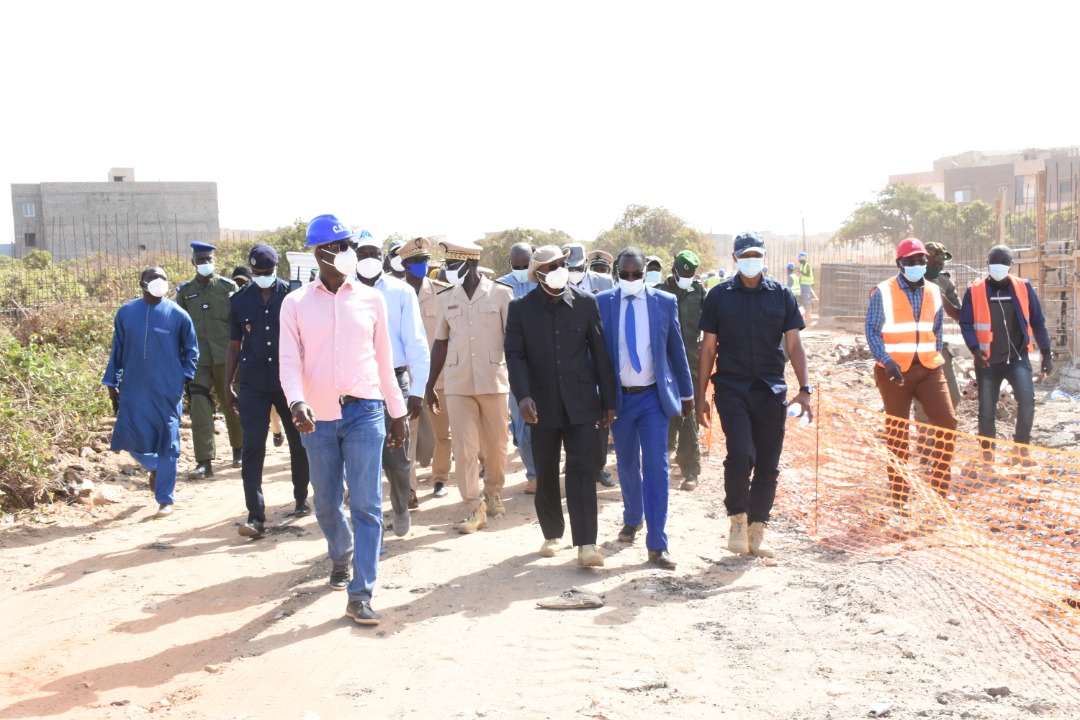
{"x": 657, "y": 231}
{"x": 888, "y": 219}
{"x": 901, "y": 211}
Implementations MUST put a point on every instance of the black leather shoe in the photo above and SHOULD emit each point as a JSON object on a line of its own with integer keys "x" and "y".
{"x": 414, "y": 502}
{"x": 302, "y": 508}
{"x": 202, "y": 471}
{"x": 237, "y": 457}
{"x": 252, "y": 529}
{"x": 661, "y": 559}
{"x": 279, "y": 439}
{"x": 628, "y": 533}
{"x": 361, "y": 612}
{"x": 340, "y": 576}
{"x": 440, "y": 490}
{"x": 606, "y": 479}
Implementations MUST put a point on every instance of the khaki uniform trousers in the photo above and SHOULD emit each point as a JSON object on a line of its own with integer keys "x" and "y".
{"x": 479, "y": 429}
{"x": 440, "y": 426}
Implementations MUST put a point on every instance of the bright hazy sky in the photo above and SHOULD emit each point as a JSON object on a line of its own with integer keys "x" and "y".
{"x": 463, "y": 117}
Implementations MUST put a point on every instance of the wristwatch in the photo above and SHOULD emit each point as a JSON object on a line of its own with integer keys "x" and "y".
{"x": 808, "y": 389}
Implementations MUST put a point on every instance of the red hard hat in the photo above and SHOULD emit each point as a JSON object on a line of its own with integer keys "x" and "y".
{"x": 909, "y": 247}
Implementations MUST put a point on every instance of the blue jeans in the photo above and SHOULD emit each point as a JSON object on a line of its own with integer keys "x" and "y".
{"x": 343, "y": 451}
{"x": 1018, "y": 372}
{"x": 640, "y": 433}
{"x": 522, "y": 438}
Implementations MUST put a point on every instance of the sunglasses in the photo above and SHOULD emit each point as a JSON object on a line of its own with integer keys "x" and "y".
{"x": 338, "y": 247}
{"x": 626, "y": 275}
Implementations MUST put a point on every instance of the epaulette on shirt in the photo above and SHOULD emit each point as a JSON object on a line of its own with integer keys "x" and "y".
{"x": 445, "y": 289}
{"x": 440, "y": 283}
{"x": 504, "y": 284}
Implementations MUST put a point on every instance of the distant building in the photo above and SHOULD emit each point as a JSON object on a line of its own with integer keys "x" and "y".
{"x": 976, "y": 175}
{"x": 119, "y": 217}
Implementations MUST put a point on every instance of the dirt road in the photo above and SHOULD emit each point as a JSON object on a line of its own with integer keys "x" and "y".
{"x": 111, "y": 614}
{"x": 120, "y": 616}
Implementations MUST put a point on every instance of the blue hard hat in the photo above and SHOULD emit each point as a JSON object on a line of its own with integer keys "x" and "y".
{"x": 325, "y": 229}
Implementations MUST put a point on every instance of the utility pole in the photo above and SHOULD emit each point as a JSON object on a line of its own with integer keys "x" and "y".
{"x": 803, "y": 234}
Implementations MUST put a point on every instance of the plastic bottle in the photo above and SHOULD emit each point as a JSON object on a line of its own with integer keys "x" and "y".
{"x": 1058, "y": 394}
{"x": 795, "y": 410}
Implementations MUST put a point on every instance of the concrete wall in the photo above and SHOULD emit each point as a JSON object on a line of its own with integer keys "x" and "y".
{"x": 120, "y": 219}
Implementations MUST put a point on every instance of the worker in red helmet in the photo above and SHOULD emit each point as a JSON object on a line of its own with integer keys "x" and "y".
{"x": 903, "y": 330}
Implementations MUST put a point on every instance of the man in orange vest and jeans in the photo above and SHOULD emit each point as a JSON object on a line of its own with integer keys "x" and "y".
{"x": 998, "y": 318}
{"x": 903, "y": 330}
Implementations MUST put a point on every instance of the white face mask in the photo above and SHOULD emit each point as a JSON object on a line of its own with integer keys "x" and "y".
{"x": 684, "y": 283}
{"x": 370, "y": 268}
{"x": 522, "y": 276}
{"x": 457, "y": 275}
{"x": 206, "y": 269}
{"x": 750, "y": 267}
{"x": 345, "y": 262}
{"x": 653, "y": 278}
{"x": 556, "y": 279}
{"x": 395, "y": 264}
{"x": 264, "y": 281}
{"x": 998, "y": 272}
{"x": 576, "y": 276}
{"x": 631, "y": 287}
{"x": 158, "y": 287}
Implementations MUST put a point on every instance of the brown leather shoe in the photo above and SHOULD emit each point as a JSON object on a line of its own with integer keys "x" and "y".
{"x": 661, "y": 559}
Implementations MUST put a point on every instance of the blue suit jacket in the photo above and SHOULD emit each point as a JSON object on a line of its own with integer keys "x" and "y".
{"x": 669, "y": 355}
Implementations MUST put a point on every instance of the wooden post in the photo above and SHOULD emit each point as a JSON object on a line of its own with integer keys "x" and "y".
{"x": 1040, "y": 225}
{"x": 999, "y": 220}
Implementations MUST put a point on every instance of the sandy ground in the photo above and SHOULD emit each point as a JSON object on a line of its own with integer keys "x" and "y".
{"x": 109, "y": 613}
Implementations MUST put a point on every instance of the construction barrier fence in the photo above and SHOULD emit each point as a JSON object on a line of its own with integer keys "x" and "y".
{"x": 1000, "y": 521}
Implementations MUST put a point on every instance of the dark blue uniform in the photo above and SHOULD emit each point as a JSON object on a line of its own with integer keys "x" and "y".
{"x": 255, "y": 324}
{"x": 750, "y": 392}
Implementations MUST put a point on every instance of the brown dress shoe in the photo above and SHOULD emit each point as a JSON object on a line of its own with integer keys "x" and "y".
{"x": 661, "y": 559}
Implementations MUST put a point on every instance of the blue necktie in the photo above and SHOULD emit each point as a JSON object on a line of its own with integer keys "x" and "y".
{"x": 631, "y": 334}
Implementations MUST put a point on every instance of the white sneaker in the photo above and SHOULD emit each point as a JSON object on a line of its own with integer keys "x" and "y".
{"x": 164, "y": 511}
{"x": 587, "y": 556}
{"x": 549, "y": 548}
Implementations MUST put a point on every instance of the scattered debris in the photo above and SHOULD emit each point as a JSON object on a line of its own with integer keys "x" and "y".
{"x": 881, "y": 708}
{"x": 576, "y": 598}
{"x": 639, "y": 682}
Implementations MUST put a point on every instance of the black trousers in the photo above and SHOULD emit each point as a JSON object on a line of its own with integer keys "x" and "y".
{"x": 396, "y": 462}
{"x": 580, "y": 442}
{"x": 254, "y": 407}
{"x": 754, "y": 430}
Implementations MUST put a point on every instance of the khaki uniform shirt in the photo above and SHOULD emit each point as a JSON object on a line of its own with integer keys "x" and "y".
{"x": 475, "y": 328}
{"x": 209, "y": 310}
{"x": 429, "y": 314}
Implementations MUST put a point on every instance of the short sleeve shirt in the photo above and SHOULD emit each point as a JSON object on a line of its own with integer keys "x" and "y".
{"x": 749, "y": 324}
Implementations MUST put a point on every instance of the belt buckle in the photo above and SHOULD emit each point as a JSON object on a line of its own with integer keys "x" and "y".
{"x": 341, "y": 400}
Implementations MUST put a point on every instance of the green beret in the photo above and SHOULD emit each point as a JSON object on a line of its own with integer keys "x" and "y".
{"x": 687, "y": 261}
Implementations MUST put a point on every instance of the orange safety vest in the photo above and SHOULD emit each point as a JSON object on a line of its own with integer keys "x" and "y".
{"x": 905, "y": 337}
{"x": 980, "y": 305}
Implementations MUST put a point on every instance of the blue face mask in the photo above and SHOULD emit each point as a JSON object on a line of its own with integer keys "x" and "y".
{"x": 522, "y": 276}
{"x": 914, "y": 273}
{"x": 417, "y": 270}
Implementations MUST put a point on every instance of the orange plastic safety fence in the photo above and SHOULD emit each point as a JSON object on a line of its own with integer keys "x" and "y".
{"x": 1000, "y": 521}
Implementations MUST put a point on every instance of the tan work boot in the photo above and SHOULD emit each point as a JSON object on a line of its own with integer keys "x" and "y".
{"x": 550, "y": 547}
{"x": 756, "y": 540}
{"x": 476, "y": 520}
{"x": 587, "y": 556}
{"x": 737, "y": 541}
{"x": 530, "y": 487}
{"x": 494, "y": 505}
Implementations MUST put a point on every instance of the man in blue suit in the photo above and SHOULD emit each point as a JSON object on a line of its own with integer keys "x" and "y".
{"x": 644, "y": 341}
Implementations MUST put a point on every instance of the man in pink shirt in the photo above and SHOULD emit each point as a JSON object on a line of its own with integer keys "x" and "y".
{"x": 337, "y": 371}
